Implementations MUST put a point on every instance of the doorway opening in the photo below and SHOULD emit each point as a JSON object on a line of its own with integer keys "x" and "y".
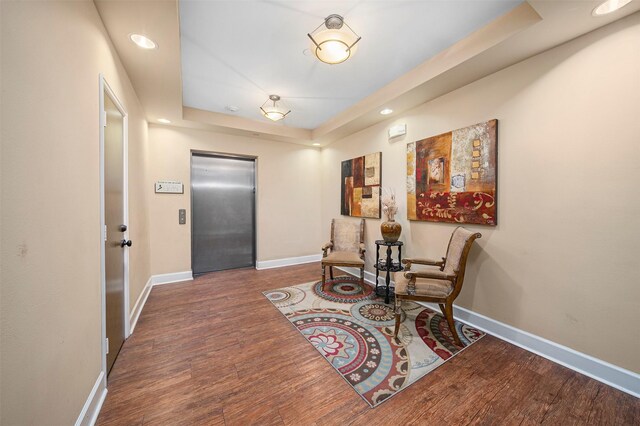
{"x": 114, "y": 219}
{"x": 223, "y": 212}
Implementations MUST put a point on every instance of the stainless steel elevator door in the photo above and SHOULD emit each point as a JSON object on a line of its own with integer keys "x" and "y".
{"x": 223, "y": 213}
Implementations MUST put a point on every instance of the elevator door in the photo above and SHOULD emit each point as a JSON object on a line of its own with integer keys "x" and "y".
{"x": 223, "y": 213}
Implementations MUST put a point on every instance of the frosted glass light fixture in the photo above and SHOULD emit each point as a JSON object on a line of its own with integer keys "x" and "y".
{"x": 272, "y": 110}
{"x": 333, "y": 42}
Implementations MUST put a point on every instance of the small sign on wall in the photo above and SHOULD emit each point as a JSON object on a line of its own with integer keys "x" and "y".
{"x": 397, "y": 130}
{"x": 169, "y": 187}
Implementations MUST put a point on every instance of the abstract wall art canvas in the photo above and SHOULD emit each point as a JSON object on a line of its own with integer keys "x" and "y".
{"x": 452, "y": 177}
{"x": 360, "y": 186}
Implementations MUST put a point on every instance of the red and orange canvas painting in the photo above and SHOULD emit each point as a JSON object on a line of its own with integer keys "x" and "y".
{"x": 360, "y": 186}
{"x": 452, "y": 177}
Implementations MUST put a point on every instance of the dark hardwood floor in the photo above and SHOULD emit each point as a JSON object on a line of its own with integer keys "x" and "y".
{"x": 215, "y": 351}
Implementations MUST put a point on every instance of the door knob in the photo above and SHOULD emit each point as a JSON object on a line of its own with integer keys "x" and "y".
{"x": 123, "y": 228}
{"x": 125, "y": 243}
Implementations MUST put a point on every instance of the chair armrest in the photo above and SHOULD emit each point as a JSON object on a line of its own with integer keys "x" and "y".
{"x": 437, "y": 275}
{"x": 408, "y": 261}
{"x": 326, "y": 247}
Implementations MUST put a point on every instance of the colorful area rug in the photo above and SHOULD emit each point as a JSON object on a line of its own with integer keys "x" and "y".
{"x": 353, "y": 330}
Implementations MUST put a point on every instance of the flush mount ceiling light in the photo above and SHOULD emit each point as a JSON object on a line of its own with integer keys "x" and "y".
{"x": 336, "y": 42}
{"x": 609, "y": 6}
{"x": 142, "y": 41}
{"x": 274, "y": 112}
{"x": 386, "y": 111}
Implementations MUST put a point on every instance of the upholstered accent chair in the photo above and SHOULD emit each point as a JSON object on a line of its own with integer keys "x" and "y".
{"x": 440, "y": 282}
{"x": 345, "y": 248}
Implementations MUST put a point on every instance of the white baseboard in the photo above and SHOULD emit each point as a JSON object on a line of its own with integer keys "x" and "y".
{"x": 174, "y": 277}
{"x": 602, "y": 371}
{"x": 93, "y": 404}
{"x": 137, "y": 308}
{"x": 154, "y": 280}
{"x": 289, "y": 261}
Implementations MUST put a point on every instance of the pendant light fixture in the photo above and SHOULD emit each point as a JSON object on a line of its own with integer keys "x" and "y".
{"x": 336, "y": 42}
{"x": 274, "y": 112}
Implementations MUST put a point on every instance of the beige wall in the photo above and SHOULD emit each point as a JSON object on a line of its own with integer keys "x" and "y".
{"x": 562, "y": 263}
{"x": 52, "y": 53}
{"x": 288, "y": 192}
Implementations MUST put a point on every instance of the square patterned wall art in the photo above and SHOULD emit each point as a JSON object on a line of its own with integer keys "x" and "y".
{"x": 360, "y": 186}
{"x": 452, "y": 177}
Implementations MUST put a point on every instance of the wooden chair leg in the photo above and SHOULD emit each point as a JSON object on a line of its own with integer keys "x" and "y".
{"x": 398, "y": 303}
{"x": 448, "y": 307}
{"x": 444, "y": 313}
{"x": 362, "y": 279}
{"x": 331, "y": 271}
{"x": 323, "y": 277}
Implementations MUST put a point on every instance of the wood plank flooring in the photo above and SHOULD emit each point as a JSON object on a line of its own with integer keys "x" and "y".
{"x": 215, "y": 351}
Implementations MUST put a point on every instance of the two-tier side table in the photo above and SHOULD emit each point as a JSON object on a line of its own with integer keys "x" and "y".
{"x": 387, "y": 265}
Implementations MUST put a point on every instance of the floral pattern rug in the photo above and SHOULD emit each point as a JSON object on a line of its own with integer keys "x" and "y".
{"x": 353, "y": 329}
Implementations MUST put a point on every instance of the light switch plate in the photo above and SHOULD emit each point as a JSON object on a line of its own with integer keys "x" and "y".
{"x": 182, "y": 216}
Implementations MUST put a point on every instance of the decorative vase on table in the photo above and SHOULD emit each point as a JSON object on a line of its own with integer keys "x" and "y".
{"x": 390, "y": 229}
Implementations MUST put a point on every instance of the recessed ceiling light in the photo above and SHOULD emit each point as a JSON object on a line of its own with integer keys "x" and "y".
{"x": 142, "y": 41}
{"x": 386, "y": 111}
{"x": 316, "y": 144}
{"x": 164, "y": 121}
{"x": 609, "y": 6}
{"x": 232, "y": 108}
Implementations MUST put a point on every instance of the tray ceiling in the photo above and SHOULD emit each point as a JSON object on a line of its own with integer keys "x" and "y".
{"x": 236, "y": 53}
{"x": 247, "y": 61}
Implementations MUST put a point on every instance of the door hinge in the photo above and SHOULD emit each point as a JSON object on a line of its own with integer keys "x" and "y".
{"x": 106, "y": 346}
{"x": 105, "y": 233}
{"x": 104, "y": 119}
